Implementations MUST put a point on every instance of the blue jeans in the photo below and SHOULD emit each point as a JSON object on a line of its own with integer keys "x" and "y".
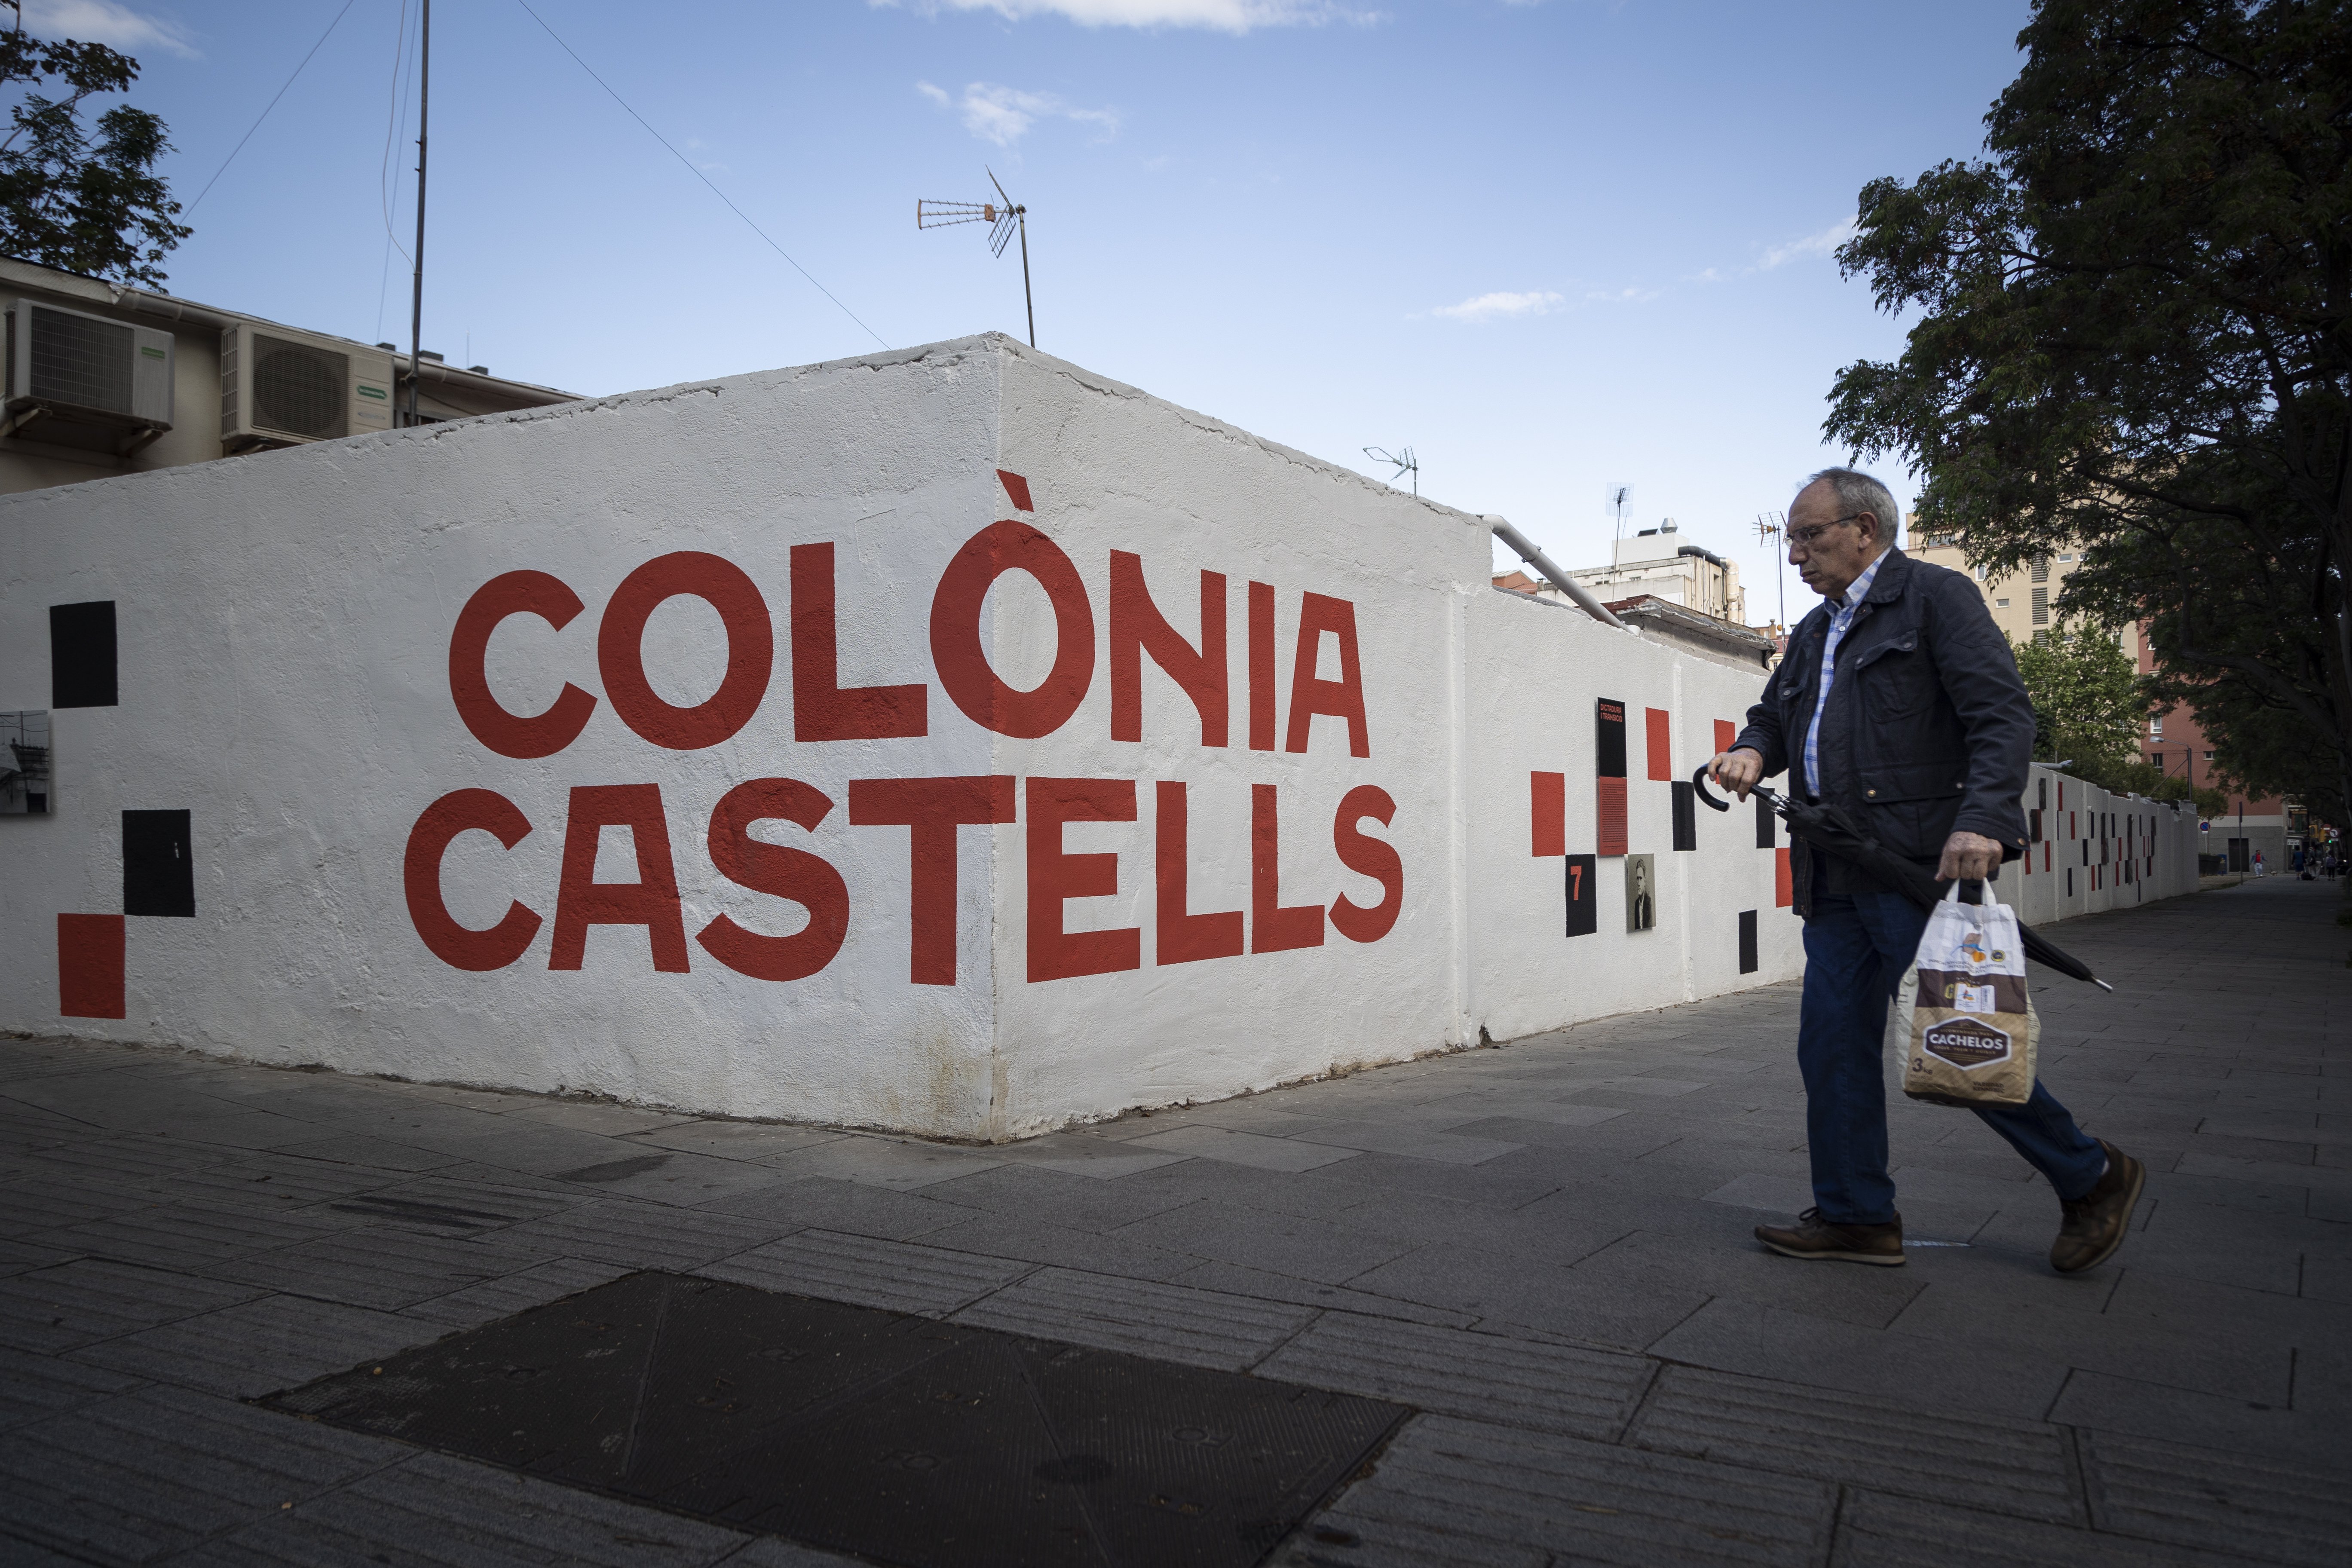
{"x": 1857, "y": 946}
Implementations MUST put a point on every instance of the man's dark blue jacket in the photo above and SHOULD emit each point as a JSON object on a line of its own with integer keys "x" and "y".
{"x": 1928, "y": 731}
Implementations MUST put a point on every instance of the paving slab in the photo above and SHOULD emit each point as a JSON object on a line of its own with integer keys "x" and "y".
{"x": 869, "y": 1272}
{"x": 1480, "y": 1376}
{"x": 2020, "y": 1468}
{"x": 1449, "y": 1491}
{"x": 1199, "y": 1328}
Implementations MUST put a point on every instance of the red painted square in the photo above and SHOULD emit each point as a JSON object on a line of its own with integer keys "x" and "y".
{"x": 1784, "y": 879}
{"x": 1612, "y": 801}
{"x": 1725, "y": 732}
{"x": 89, "y": 966}
{"x": 1661, "y": 726}
{"x": 1548, "y": 813}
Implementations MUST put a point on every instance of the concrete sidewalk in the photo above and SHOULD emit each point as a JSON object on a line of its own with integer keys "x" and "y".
{"x": 1542, "y": 1248}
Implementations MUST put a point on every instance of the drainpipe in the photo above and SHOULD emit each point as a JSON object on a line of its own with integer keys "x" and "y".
{"x": 1558, "y": 578}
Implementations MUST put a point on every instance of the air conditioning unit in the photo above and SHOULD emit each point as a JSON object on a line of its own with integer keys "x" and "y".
{"x": 86, "y": 380}
{"x": 279, "y": 387}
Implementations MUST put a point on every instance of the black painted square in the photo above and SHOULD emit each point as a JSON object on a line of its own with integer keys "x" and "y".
{"x": 1685, "y": 814}
{"x": 81, "y": 655}
{"x": 1747, "y": 941}
{"x": 159, "y": 871}
{"x": 1609, "y": 738}
{"x": 899, "y": 1438}
{"x": 1767, "y": 836}
{"x": 1583, "y": 903}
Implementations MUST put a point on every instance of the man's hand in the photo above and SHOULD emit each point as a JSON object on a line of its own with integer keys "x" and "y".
{"x": 1739, "y": 770}
{"x": 1968, "y": 857}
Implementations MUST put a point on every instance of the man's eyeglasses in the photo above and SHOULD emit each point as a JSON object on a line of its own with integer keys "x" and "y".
{"x": 1806, "y": 536}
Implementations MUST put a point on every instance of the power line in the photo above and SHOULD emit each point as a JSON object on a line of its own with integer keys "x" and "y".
{"x": 697, "y": 174}
{"x": 273, "y": 103}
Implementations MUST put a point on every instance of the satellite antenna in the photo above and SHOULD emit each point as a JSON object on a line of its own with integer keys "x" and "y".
{"x": 1005, "y": 218}
{"x": 1404, "y": 461}
{"x": 1617, "y": 500}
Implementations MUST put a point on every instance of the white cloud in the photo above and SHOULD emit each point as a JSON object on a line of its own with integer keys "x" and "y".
{"x": 1486, "y": 306}
{"x": 1621, "y": 296}
{"x": 105, "y": 22}
{"x": 1004, "y": 114}
{"x": 1819, "y": 244}
{"x": 1221, "y": 15}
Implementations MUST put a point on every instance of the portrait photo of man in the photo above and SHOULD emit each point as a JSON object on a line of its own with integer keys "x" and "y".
{"x": 1640, "y": 892}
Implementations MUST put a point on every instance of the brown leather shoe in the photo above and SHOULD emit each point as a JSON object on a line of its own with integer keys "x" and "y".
{"x": 2096, "y": 1222}
{"x": 1813, "y": 1237}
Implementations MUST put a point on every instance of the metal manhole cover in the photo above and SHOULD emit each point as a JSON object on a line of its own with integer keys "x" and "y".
{"x": 896, "y": 1437}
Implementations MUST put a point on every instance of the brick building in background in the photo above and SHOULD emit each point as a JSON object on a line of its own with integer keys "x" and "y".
{"x": 2021, "y": 606}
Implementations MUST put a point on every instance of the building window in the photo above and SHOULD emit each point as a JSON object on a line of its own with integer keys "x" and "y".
{"x": 2065, "y": 558}
{"x": 2041, "y": 606}
{"x": 2208, "y": 756}
{"x": 2041, "y": 568}
{"x": 2155, "y": 728}
{"x": 2001, "y": 603}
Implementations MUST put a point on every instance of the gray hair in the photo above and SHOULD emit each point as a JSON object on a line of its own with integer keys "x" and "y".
{"x": 1857, "y": 491}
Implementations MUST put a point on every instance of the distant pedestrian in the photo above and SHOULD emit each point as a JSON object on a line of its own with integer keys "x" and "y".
{"x": 2260, "y": 869}
{"x": 1899, "y": 701}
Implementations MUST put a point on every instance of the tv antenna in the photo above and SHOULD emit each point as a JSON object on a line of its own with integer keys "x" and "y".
{"x": 1404, "y": 461}
{"x": 1005, "y": 218}
{"x": 1617, "y": 500}
{"x": 1770, "y": 526}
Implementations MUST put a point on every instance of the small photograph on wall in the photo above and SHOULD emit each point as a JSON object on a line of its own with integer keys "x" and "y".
{"x": 1640, "y": 892}
{"x": 25, "y": 763}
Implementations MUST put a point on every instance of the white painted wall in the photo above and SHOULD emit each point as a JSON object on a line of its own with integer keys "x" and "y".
{"x": 285, "y": 631}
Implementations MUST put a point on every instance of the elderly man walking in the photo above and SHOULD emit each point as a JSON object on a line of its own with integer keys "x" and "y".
{"x": 1898, "y": 699}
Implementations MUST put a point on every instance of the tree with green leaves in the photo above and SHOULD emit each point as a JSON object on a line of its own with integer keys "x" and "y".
{"x": 2087, "y": 703}
{"x": 2135, "y": 338}
{"x": 92, "y": 205}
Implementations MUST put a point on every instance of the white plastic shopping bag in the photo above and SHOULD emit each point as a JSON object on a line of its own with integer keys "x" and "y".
{"x": 1964, "y": 1020}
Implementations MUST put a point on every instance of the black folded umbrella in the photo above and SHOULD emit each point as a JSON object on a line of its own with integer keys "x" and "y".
{"x": 1831, "y": 829}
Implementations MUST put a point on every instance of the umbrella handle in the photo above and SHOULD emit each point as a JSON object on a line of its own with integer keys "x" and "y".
{"x": 1699, "y": 784}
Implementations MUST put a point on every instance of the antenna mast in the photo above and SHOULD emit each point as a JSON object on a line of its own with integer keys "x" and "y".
{"x": 1617, "y": 500}
{"x": 1770, "y": 526}
{"x": 416, "y": 299}
{"x": 1004, "y": 218}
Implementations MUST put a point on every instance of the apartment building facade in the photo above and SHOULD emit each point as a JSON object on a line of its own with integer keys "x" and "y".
{"x": 2023, "y": 605}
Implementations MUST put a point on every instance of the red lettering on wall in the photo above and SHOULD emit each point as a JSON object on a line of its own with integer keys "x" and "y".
{"x": 461, "y": 947}
{"x": 1661, "y": 727}
{"x": 1137, "y": 627}
{"x": 1179, "y": 936}
{"x": 1017, "y": 489}
{"x": 1261, "y": 666}
{"x": 1055, "y": 877}
{"x": 1547, "y": 813}
{"x": 751, "y": 649}
{"x": 1367, "y": 857}
{"x": 780, "y": 871}
{"x": 650, "y": 901}
{"x": 962, "y": 663}
{"x": 932, "y": 810}
{"x": 1273, "y": 928}
{"x": 89, "y": 966}
{"x": 1343, "y": 698}
{"x": 512, "y": 734}
{"x": 822, "y": 710}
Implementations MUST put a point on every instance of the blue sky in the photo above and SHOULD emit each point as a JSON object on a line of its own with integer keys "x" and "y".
{"x": 1550, "y": 245}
